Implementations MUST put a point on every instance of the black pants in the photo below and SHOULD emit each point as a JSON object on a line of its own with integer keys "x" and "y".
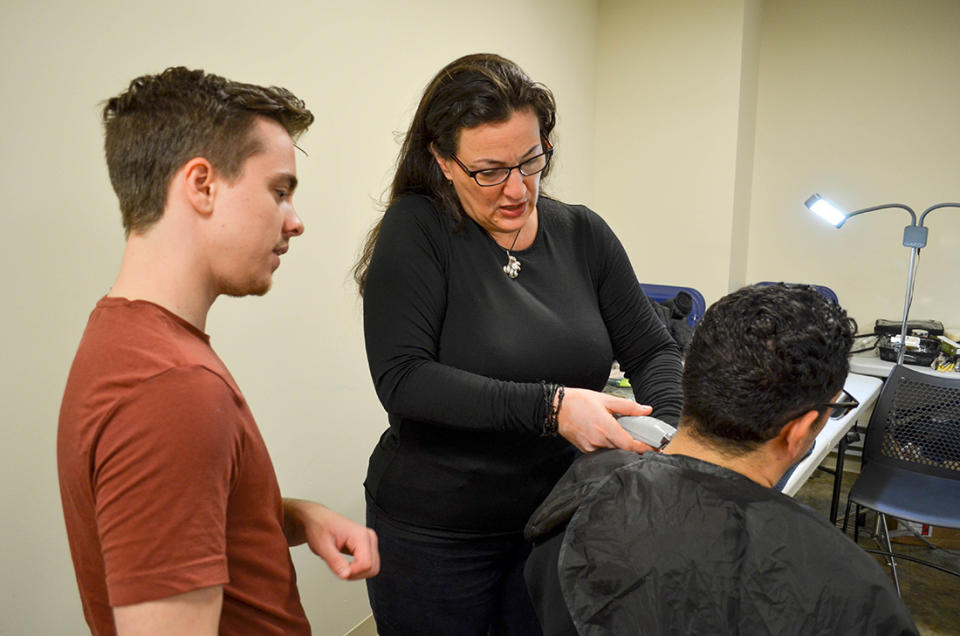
{"x": 444, "y": 584}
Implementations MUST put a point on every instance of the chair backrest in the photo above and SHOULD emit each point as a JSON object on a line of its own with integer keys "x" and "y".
{"x": 826, "y": 291}
{"x": 660, "y": 293}
{"x": 916, "y": 423}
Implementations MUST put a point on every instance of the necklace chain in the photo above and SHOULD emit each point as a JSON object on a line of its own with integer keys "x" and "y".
{"x": 512, "y": 268}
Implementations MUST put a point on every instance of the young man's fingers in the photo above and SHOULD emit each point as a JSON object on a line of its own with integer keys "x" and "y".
{"x": 337, "y": 563}
{"x": 366, "y": 557}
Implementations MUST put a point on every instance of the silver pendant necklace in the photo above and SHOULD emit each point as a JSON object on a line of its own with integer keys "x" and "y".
{"x": 512, "y": 268}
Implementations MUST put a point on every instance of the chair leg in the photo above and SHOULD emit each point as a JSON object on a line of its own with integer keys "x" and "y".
{"x": 846, "y": 516}
{"x": 856, "y": 525}
{"x": 882, "y": 518}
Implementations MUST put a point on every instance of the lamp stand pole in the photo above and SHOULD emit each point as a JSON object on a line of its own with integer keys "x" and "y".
{"x": 908, "y": 299}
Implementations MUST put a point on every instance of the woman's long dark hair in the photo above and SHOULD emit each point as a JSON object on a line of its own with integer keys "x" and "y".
{"x": 473, "y": 90}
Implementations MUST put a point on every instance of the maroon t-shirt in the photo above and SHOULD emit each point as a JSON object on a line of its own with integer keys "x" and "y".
{"x": 166, "y": 483}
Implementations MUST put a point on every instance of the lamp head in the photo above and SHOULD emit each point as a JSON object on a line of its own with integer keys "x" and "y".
{"x": 826, "y": 210}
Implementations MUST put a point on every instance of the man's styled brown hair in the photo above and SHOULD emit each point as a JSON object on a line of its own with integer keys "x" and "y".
{"x": 162, "y": 121}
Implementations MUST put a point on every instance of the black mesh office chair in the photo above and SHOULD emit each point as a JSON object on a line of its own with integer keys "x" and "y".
{"x": 911, "y": 457}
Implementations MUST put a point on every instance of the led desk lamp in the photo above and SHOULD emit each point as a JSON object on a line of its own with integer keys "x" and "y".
{"x": 914, "y": 237}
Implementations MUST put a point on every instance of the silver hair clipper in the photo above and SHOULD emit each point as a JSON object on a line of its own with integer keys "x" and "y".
{"x": 649, "y": 430}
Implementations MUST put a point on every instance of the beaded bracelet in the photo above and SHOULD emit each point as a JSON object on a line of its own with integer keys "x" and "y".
{"x": 551, "y": 422}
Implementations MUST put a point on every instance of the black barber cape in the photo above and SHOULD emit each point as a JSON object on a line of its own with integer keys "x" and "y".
{"x": 667, "y": 544}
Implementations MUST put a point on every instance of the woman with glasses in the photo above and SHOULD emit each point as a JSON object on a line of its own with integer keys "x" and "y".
{"x": 492, "y": 314}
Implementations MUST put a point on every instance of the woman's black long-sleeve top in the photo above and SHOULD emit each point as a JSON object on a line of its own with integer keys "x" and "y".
{"x": 458, "y": 350}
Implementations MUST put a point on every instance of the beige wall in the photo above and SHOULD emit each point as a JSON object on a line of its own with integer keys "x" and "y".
{"x": 696, "y": 128}
{"x": 716, "y": 120}
{"x": 674, "y": 126}
{"x": 859, "y": 101}
{"x": 297, "y": 353}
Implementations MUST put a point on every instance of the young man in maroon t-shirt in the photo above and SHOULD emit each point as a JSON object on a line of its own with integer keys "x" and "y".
{"x": 173, "y": 512}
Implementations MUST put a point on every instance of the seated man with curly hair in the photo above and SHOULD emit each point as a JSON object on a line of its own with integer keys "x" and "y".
{"x": 695, "y": 540}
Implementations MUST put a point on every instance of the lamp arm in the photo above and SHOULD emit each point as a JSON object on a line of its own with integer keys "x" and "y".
{"x": 914, "y": 237}
{"x": 936, "y": 207}
{"x": 911, "y": 275}
{"x": 913, "y": 215}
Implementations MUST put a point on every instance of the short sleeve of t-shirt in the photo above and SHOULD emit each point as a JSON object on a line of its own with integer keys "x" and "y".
{"x": 162, "y": 474}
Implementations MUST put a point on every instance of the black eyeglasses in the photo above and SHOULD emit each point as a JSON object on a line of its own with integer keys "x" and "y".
{"x": 840, "y": 408}
{"x": 495, "y": 176}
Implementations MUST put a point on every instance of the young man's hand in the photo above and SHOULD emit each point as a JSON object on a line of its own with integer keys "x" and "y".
{"x": 331, "y": 536}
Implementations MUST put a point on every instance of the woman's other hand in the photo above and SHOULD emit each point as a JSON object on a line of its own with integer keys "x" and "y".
{"x": 586, "y": 421}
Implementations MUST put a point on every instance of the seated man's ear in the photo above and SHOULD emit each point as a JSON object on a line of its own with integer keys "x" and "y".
{"x": 798, "y": 434}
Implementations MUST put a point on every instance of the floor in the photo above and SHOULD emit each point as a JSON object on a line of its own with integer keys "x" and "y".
{"x": 930, "y": 595}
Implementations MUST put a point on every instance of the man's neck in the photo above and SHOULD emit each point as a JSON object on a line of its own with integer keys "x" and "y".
{"x": 166, "y": 273}
{"x": 756, "y": 465}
